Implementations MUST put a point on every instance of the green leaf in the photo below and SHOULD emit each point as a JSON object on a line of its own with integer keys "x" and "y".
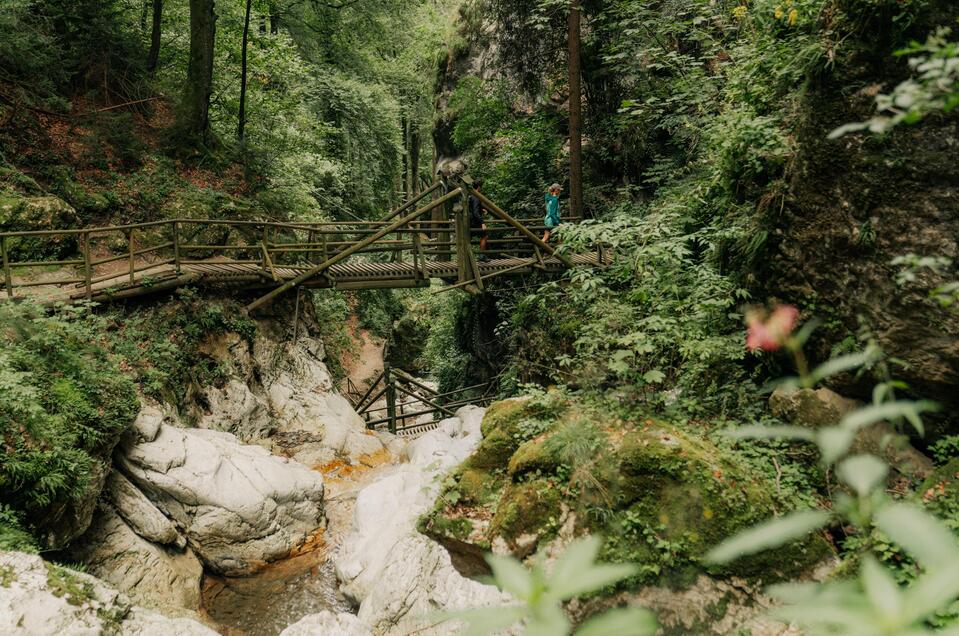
{"x": 511, "y": 576}
{"x": 881, "y": 588}
{"x": 591, "y": 579}
{"x": 862, "y": 473}
{"x": 932, "y": 592}
{"x": 767, "y": 535}
{"x": 628, "y": 621}
{"x": 922, "y": 535}
{"x": 841, "y": 364}
{"x": 654, "y": 377}
{"x": 833, "y": 443}
{"x": 883, "y": 412}
{"x": 578, "y": 556}
{"x": 550, "y": 620}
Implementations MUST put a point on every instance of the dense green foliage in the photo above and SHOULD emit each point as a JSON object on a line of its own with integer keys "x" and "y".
{"x": 327, "y": 94}
{"x": 65, "y": 403}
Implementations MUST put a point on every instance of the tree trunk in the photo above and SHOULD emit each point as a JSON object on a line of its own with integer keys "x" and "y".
{"x": 406, "y": 158}
{"x": 415, "y": 160}
{"x": 153, "y": 59}
{"x": 195, "y": 109}
{"x": 575, "y": 115}
{"x": 274, "y": 19}
{"x": 241, "y": 126}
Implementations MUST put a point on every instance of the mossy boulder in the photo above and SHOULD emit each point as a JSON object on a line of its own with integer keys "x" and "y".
{"x": 531, "y": 509}
{"x": 493, "y": 452}
{"x": 505, "y": 416}
{"x": 532, "y": 456}
{"x": 477, "y": 486}
{"x": 679, "y": 495}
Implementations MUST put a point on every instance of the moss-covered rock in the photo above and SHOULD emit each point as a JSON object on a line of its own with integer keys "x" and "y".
{"x": 680, "y": 495}
{"x": 531, "y": 508}
{"x": 505, "y": 416}
{"x": 477, "y": 486}
{"x": 493, "y": 452}
{"x": 531, "y": 457}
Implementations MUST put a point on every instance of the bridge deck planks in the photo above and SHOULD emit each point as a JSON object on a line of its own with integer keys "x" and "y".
{"x": 250, "y": 275}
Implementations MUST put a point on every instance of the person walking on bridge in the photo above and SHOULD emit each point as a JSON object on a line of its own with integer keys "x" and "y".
{"x": 477, "y": 222}
{"x": 552, "y": 219}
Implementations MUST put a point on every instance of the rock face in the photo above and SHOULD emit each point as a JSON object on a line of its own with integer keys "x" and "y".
{"x": 851, "y": 210}
{"x": 398, "y": 576}
{"x": 237, "y": 505}
{"x": 278, "y": 386}
{"x": 150, "y": 574}
{"x": 40, "y": 598}
{"x": 823, "y": 407}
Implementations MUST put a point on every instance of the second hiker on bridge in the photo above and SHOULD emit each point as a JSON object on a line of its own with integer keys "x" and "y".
{"x": 552, "y": 219}
{"x": 477, "y": 223}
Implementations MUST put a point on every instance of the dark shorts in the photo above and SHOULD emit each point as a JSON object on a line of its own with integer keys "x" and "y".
{"x": 477, "y": 231}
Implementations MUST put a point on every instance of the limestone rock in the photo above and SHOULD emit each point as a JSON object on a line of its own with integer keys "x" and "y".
{"x": 140, "y": 513}
{"x": 328, "y": 624}
{"x": 234, "y": 408}
{"x": 239, "y": 506}
{"x": 397, "y": 575}
{"x": 301, "y": 397}
{"x": 151, "y": 575}
{"x": 40, "y": 598}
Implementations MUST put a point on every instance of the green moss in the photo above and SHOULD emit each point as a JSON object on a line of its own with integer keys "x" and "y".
{"x": 940, "y": 493}
{"x": 532, "y": 456}
{"x": 528, "y": 508}
{"x": 494, "y": 451}
{"x": 454, "y": 527}
{"x": 7, "y": 576}
{"x": 504, "y": 416}
{"x": 477, "y": 486}
{"x": 685, "y": 495}
{"x": 66, "y": 584}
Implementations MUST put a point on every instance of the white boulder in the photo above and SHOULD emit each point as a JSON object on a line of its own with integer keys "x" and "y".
{"x": 399, "y": 577}
{"x": 38, "y": 598}
{"x": 328, "y": 624}
{"x": 238, "y": 506}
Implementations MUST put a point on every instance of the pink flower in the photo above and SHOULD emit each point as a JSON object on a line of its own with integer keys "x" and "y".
{"x": 770, "y": 334}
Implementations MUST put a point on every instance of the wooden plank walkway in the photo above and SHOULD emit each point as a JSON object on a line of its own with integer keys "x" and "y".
{"x": 410, "y": 247}
{"x": 342, "y": 276}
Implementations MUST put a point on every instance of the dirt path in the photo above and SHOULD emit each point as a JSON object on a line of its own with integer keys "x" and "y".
{"x": 362, "y": 367}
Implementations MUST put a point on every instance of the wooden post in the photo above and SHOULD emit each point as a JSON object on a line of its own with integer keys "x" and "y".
{"x": 7, "y": 276}
{"x": 176, "y": 246}
{"x": 132, "y": 250}
{"x": 87, "y": 269}
{"x": 444, "y": 236}
{"x": 390, "y": 397}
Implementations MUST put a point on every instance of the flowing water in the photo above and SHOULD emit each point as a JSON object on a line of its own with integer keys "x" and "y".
{"x": 274, "y": 598}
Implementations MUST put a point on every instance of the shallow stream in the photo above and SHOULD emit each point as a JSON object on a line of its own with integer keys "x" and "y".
{"x": 274, "y": 598}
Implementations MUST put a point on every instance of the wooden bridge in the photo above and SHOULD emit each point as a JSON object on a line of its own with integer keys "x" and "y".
{"x": 426, "y": 238}
{"x": 396, "y": 401}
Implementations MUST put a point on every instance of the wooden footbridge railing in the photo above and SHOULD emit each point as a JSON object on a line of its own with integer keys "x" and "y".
{"x": 404, "y": 405}
{"x": 426, "y": 238}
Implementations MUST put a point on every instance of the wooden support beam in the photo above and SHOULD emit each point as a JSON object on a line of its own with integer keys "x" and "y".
{"x": 310, "y": 273}
{"x": 495, "y": 209}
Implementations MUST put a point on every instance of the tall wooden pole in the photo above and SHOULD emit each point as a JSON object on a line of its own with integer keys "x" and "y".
{"x": 241, "y": 126}
{"x": 575, "y": 114}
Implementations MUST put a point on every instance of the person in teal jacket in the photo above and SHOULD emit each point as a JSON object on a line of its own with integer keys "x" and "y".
{"x": 552, "y": 220}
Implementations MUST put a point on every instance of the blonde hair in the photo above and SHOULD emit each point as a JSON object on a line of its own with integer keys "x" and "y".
{"x": 555, "y": 186}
